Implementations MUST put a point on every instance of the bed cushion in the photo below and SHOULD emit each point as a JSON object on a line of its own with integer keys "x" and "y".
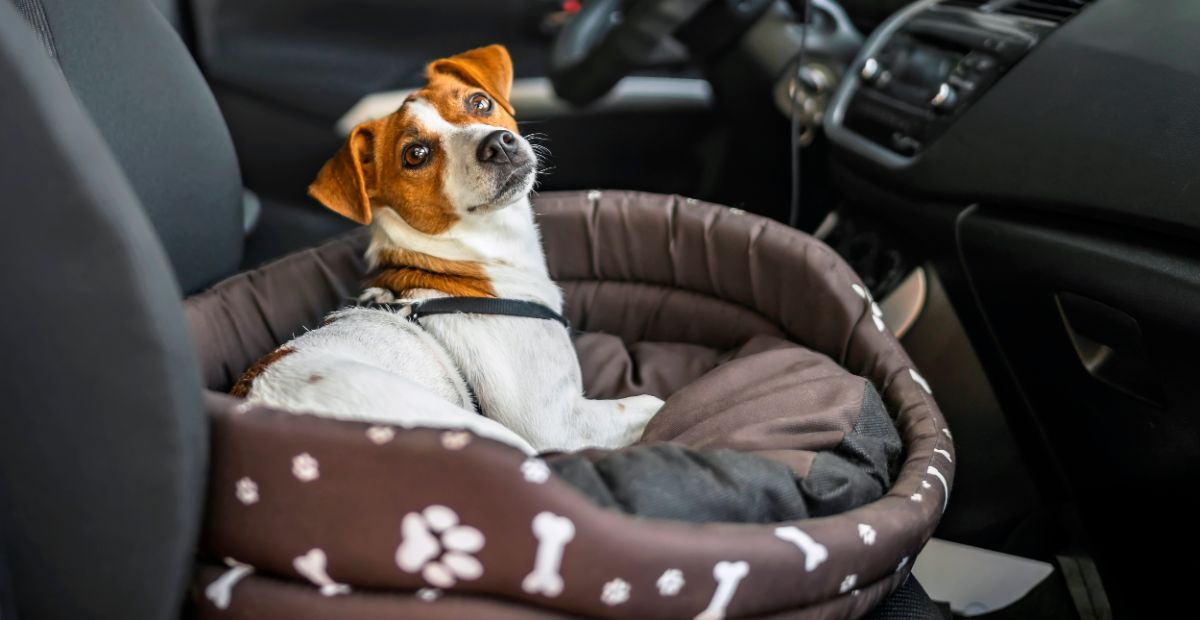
{"x": 678, "y": 298}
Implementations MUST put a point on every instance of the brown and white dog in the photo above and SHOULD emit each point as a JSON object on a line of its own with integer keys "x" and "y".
{"x": 444, "y": 183}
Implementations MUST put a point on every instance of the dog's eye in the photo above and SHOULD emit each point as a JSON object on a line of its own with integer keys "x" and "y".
{"x": 480, "y": 104}
{"x": 415, "y": 155}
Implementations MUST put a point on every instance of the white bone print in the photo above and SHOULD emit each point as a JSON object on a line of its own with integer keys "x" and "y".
{"x": 220, "y": 591}
{"x": 311, "y": 566}
{"x": 814, "y": 552}
{"x": 933, "y": 471}
{"x": 946, "y": 432}
{"x": 902, "y": 564}
{"x": 552, "y": 533}
{"x": 866, "y": 533}
{"x": 944, "y": 453}
{"x": 728, "y": 576}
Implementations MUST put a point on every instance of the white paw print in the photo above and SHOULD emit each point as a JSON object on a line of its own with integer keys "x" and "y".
{"x": 376, "y": 295}
{"x": 247, "y": 491}
{"x": 925, "y": 484}
{"x": 455, "y": 440}
{"x": 848, "y": 583}
{"x": 866, "y": 533}
{"x": 916, "y": 376}
{"x": 671, "y": 582}
{"x": 593, "y": 195}
{"x": 535, "y": 470}
{"x": 380, "y": 435}
{"x": 305, "y": 468}
{"x": 615, "y": 592}
{"x": 438, "y": 547}
{"x": 429, "y": 595}
{"x": 916, "y": 497}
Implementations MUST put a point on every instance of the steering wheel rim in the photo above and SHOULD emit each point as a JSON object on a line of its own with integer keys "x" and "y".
{"x": 601, "y": 45}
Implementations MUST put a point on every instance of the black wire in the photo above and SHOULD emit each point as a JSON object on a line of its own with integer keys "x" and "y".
{"x": 794, "y": 217}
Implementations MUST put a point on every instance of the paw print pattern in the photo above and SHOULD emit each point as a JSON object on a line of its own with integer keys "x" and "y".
{"x": 455, "y": 440}
{"x": 535, "y": 470}
{"x": 247, "y": 491}
{"x": 848, "y": 583}
{"x": 866, "y": 533}
{"x": 438, "y": 547}
{"x": 615, "y": 592}
{"x": 305, "y": 467}
{"x": 671, "y": 582}
{"x": 380, "y": 435}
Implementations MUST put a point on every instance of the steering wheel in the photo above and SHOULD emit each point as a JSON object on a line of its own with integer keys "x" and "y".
{"x": 607, "y": 39}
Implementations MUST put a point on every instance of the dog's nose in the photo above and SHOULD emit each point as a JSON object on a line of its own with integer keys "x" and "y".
{"x": 498, "y": 147}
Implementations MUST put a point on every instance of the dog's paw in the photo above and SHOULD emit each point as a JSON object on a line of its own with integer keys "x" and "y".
{"x": 640, "y": 410}
{"x": 376, "y": 295}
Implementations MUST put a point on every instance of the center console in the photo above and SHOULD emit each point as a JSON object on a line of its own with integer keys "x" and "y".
{"x": 921, "y": 70}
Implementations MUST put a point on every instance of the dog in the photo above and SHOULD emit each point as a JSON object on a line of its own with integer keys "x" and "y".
{"x": 444, "y": 184}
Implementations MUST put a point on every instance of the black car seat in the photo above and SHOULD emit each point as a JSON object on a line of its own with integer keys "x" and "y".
{"x": 111, "y": 136}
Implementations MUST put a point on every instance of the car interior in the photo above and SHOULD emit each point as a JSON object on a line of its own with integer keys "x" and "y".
{"x": 1013, "y": 181}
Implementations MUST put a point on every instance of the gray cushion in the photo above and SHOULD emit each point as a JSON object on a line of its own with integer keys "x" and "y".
{"x": 136, "y": 79}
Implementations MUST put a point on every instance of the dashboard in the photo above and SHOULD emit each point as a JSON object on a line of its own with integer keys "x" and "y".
{"x": 1082, "y": 106}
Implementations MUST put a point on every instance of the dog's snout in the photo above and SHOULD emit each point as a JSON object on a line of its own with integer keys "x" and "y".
{"x": 498, "y": 147}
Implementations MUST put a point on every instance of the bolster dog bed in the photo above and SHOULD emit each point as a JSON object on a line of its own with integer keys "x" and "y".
{"x": 772, "y": 484}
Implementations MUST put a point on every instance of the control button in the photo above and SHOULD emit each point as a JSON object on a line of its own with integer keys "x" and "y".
{"x": 871, "y": 70}
{"x": 946, "y": 97}
{"x": 905, "y": 145}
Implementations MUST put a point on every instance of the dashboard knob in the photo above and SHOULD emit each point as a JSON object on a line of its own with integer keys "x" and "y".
{"x": 871, "y": 70}
{"x": 946, "y": 97}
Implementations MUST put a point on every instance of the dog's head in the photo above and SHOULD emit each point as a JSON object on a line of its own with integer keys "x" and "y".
{"x": 450, "y": 152}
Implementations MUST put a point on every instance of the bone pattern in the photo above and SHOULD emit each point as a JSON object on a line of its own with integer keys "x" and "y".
{"x": 311, "y": 566}
{"x": 728, "y": 575}
{"x": 220, "y": 591}
{"x": 553, "y": 533}
{"x": 814, "y": 552}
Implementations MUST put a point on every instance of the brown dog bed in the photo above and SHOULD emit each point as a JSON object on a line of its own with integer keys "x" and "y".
{"x": 699, "y": 304}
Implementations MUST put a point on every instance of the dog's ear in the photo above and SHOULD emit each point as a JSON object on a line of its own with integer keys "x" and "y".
{"x": 343, "y": 182}
{"x": 489, "y": 68}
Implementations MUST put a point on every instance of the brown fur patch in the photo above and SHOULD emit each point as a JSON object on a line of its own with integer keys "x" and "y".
{"x": 402, "y": 270}
{"x": 368, "y": 172}
{"x": 242, "y": 388}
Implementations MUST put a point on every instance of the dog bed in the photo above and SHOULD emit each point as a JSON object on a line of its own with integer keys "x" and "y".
{"x": 699, "y": 304}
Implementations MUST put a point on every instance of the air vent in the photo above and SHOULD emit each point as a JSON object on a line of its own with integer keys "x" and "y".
{"x": 1057, "y": 11}
{"x": 967, "y": 4}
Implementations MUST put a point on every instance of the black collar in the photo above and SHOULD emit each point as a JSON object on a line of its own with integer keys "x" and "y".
{"x": 475, "y": 305}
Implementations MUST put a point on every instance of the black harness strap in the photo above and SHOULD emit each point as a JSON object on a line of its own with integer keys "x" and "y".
{"x": 472, "y": 305}
{"x": 484, "y": 305}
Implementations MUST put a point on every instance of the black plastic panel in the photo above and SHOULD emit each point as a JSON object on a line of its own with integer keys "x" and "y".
{"x": 1101, "y": 330}
{"x": 1102, "y": 118}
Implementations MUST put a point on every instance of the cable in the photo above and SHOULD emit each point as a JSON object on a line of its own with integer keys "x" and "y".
{"x": 794, "y": 217}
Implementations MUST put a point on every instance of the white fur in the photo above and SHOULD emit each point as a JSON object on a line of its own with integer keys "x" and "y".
{"x": 376, "y": 366}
